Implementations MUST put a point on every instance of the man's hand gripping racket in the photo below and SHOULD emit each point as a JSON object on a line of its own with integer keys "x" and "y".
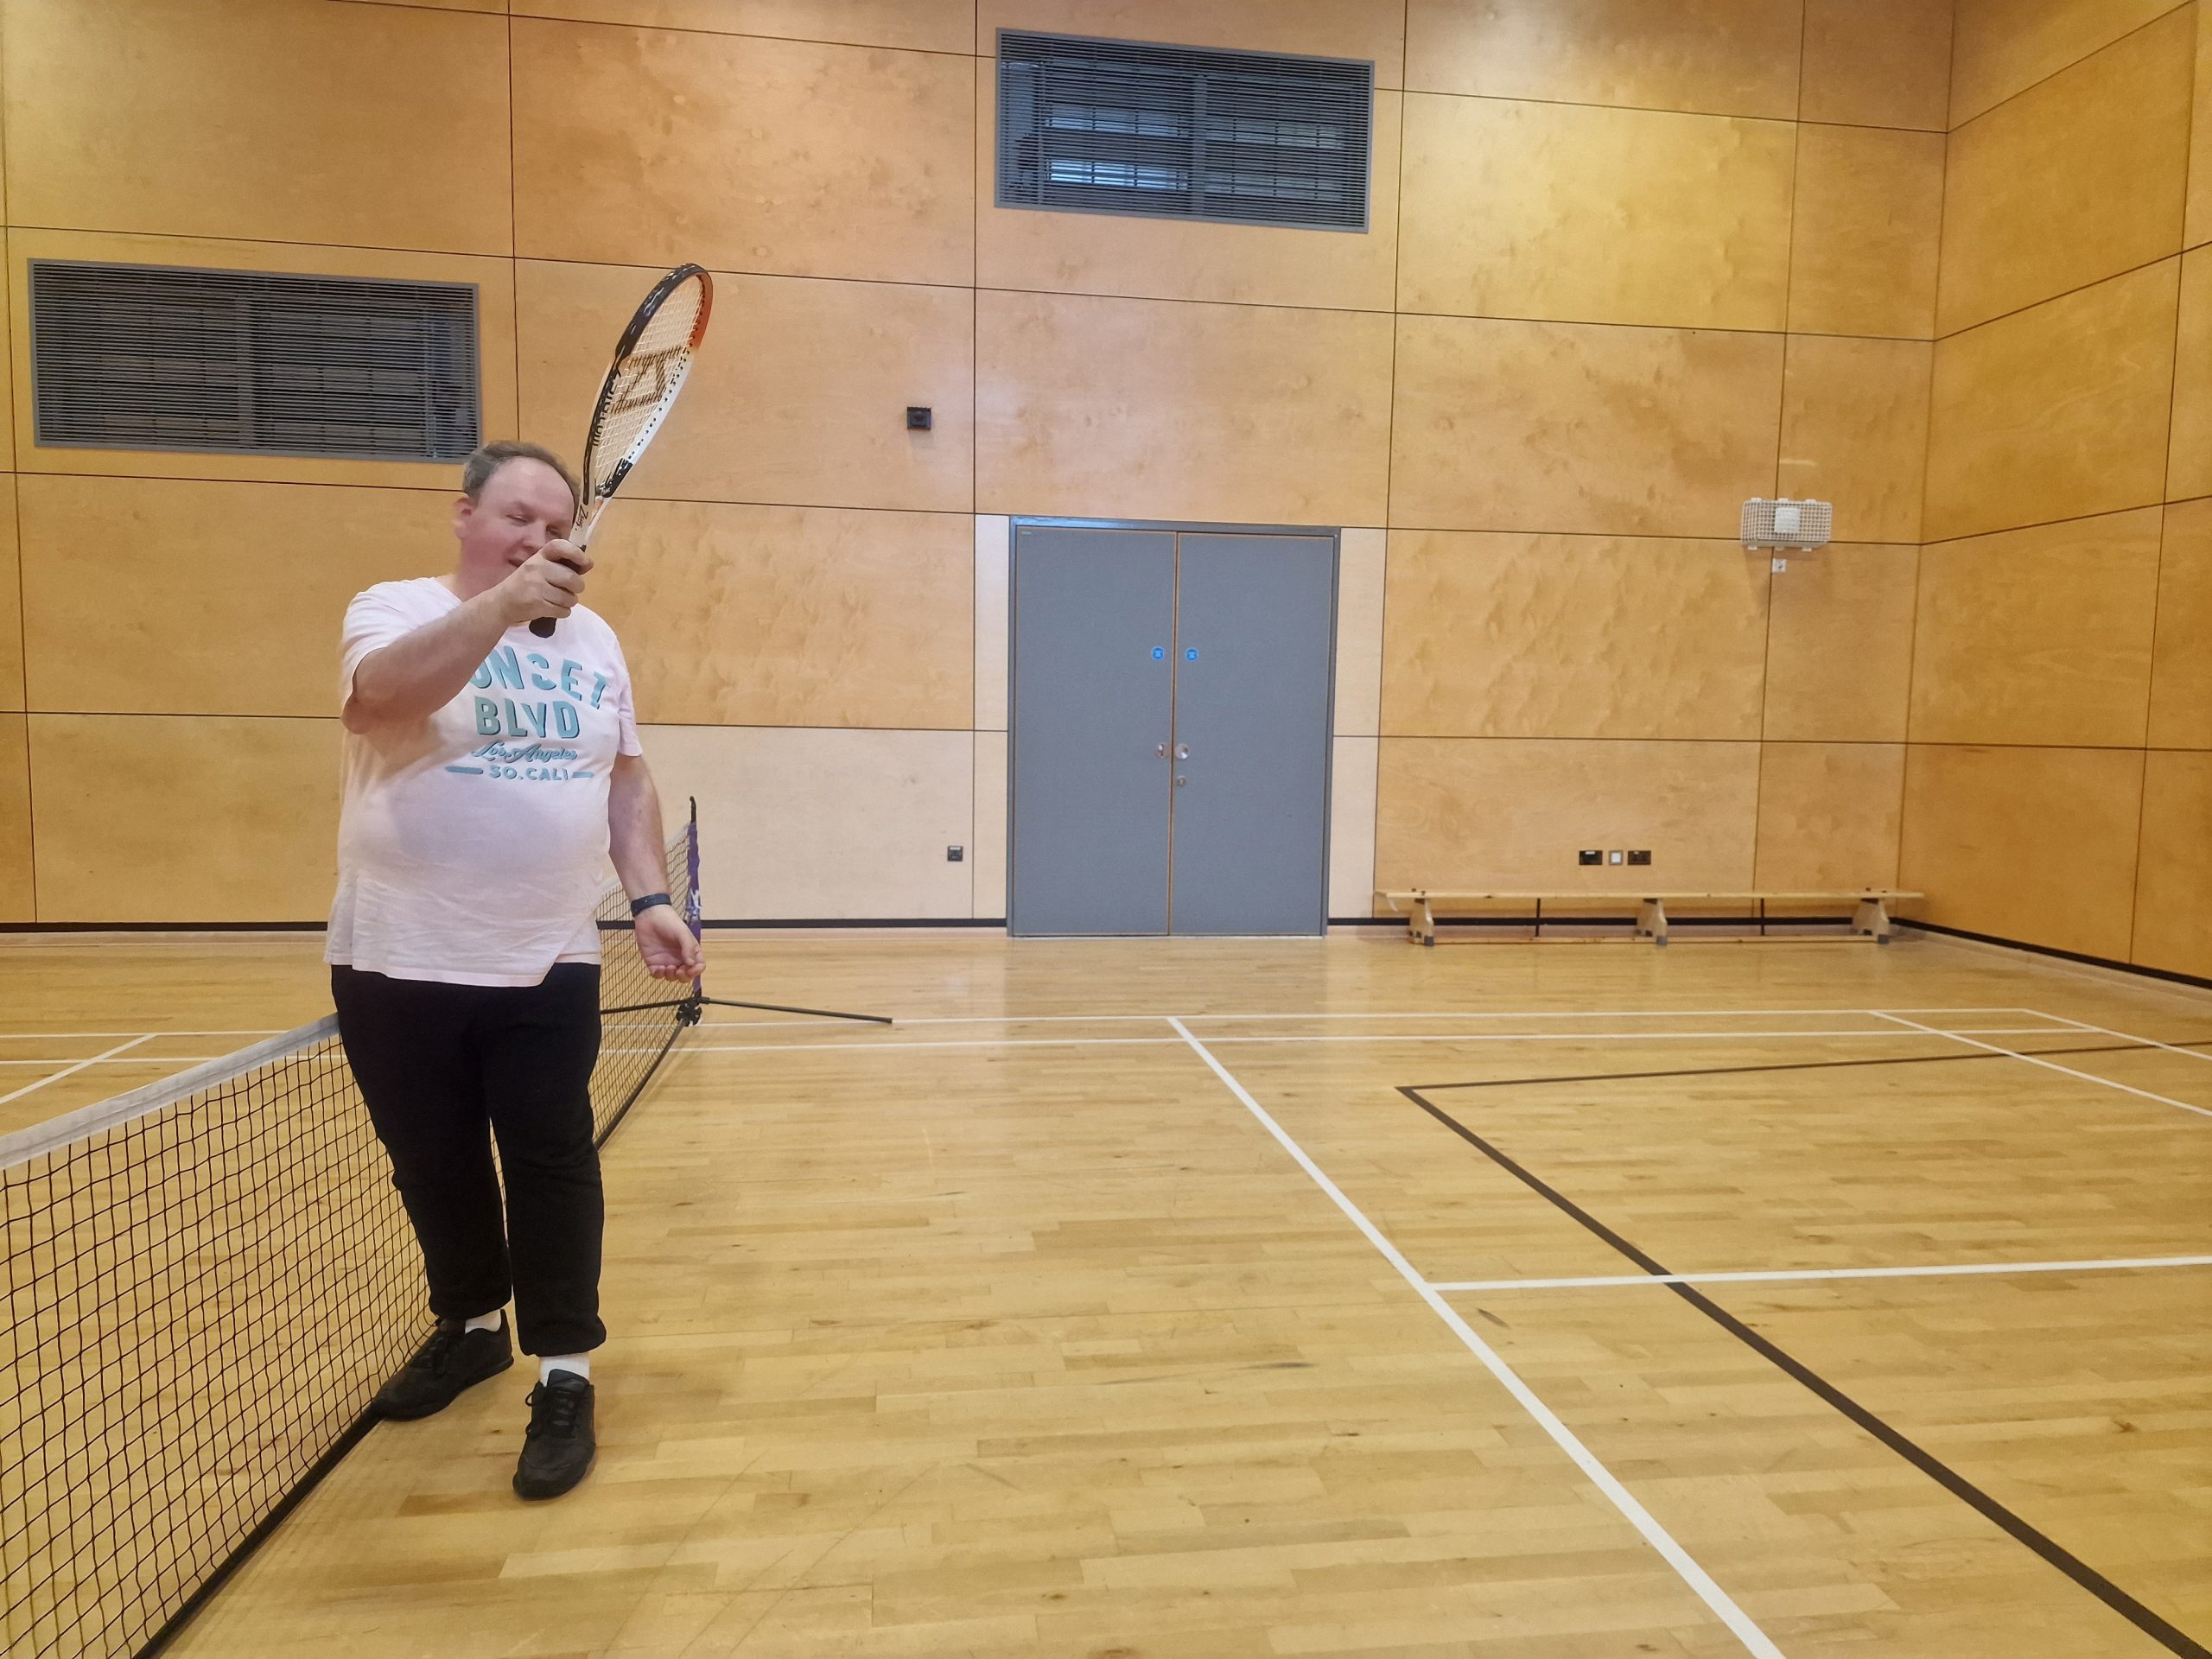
{"x": 651, "y": 360}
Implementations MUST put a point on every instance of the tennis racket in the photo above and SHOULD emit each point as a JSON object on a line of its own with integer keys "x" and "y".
{"x": 651, "y": 360}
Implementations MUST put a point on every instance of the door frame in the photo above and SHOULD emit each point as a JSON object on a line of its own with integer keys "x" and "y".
{"x": 1334, "y": 535}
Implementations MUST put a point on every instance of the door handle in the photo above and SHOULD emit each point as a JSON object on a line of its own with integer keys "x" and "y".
{"x": 1159, "y": 749}
{"x": 1182, "y": 751}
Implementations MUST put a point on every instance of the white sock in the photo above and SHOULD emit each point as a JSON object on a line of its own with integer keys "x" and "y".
{"x": 575, "y": 1364}
{"x": 484, "y": 1321}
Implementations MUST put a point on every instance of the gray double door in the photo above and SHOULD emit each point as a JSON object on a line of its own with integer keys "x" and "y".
{"x": 1170, "y": 745}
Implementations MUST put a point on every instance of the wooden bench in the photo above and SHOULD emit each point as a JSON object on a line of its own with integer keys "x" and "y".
{"x": 1870, "y": 917}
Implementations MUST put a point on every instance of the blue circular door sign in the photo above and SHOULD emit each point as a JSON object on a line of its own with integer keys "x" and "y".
{"x": 1191, "y": 655}
{"x": 1160, "y": 653}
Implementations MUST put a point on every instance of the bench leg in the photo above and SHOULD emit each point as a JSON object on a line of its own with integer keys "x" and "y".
{"x": 1420, "y": 922}
{"x": 1872, "y": 920}
{"x": 1651, "y": 921}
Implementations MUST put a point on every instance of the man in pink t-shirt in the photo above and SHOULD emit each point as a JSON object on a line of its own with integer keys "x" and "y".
{"x": 490, "y": 776}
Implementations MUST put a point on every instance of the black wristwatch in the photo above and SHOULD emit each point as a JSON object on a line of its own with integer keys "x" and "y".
{"x": 639, "y": 907}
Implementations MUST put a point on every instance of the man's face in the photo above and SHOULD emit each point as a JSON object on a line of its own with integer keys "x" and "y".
{"x": 521, "y": 507}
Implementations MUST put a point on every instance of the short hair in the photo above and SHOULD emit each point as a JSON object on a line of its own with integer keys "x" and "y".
{"x": 476, "y": 471}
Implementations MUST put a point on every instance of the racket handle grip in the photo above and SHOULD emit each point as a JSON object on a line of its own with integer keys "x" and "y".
{"x": 544, "y": 626}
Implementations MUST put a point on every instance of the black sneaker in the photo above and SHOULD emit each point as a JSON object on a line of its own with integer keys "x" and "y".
{"x": 453, "y": 1359}
{"x": 558, "y": 1446}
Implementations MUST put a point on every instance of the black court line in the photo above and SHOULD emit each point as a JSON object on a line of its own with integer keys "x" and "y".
{"x": 1812, "y": 1066}
{"x": 2173, "y": 1640}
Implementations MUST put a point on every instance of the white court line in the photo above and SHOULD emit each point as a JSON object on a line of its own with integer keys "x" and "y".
{"x": 1147, "y": 1042}
{"x": 986, "y": 1042}
{"x": 1609, "y": 1036}
{"x": 57, "y": 1036}
{"x": 128, "y": 1060}
{"x": 146, "y": 1036}
{"x": 1754, "y": 1639}
{"x": 2050, "y": 1065}
{"x": 1433, "y": 1014}
{"x": 1809, "y": 1274}
{"x": 2130, "y": 1037}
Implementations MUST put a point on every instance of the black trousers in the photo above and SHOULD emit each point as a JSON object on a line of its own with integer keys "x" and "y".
{"x": 445, "y": 1067}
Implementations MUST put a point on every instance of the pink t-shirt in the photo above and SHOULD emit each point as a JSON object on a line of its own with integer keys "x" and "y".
{"x": 472, "y": 845}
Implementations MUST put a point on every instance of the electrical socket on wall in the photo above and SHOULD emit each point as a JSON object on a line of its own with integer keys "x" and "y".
{"x": 1589, "y": 856}
{"x": 1639, "y": 856}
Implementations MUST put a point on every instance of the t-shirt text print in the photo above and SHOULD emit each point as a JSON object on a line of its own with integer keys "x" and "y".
{"x": 527, "y": 734}
{"x": 472, "y": 844}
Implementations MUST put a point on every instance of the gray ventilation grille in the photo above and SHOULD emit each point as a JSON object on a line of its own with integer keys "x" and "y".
{"x": 150, "y": 357}
{"x": 1181, "y": 132}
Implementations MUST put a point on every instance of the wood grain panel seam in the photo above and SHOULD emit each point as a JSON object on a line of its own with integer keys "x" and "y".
{"x": 1781, "y": 425}
{"x": 2053, "y": 299}
{"x": 2051, "y": 524}
{"x": 507, "y": 257}
{"x": 1656, "y": 109}
{"x": 1221, "y": 305}
{"x": 250, "y": 483}
{"x": 2064, "y": 68}
{"x": 1585, "y": 322}
{"x": 729, "y": 35}
{"x": 753, "y": 726}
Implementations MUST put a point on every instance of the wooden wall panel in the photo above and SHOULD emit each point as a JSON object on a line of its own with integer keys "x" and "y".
{"x": 1459, "y": 812}
{"x": 2197, "y": 223}
{"x": 994, "y": 592}
{"x": 2056, "y": 412}
{"x": 1829, "y": 814}
{"x": 1573, "y": 636}
{"x": 1352, "y": 770}
{"x": 2036, "y": 845}
{"x": 11, "y": 605}
{"x": 1361, "y": 572}
{"x": 783, "y": 616}
{"x": 988, "y": 840}
{"x": 1840, "y": 645}
{"x": 18, "y": 902}
{"x": 1864, "y": 237}
{"x": 2173, "y": 887}
{"x": 2181, "y": 674}
{"x": 1854, "y": 432}
{"x": 915, "y": 25}
{"x": 2003, "y": 47}
{"x": 800, "y": 824}
{"x": 8, "y": 283}
{"x": 493, "y": 280}
{"x": 1586, "y": 215}
{"x": 1542, "y": 426}
{"x": 377, "y": 127}
{"x": 1877, "y": 63}
{"x": 2038, "y": 636}
{"x": 2189, "y": 457}
{"x": 791, "y": 159}
{"x": 1145, "y": 409}
{"x": 1176, "y": 259}
{"x": 174, "y": 596}
{"x": 2078, "y": 178}
{"x": 114, "y": 795}
{"x": 1715, "y": 57}
{"x": 800, "y": 398}
{"x": 1322, "y": 29}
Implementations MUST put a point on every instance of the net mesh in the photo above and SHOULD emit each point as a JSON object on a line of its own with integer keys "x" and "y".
{"x": 642, "y": 385}
{"x": 203, "y": 1295}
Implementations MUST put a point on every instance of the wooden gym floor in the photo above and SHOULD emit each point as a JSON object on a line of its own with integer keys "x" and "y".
{"x": 1182, "y": 1298}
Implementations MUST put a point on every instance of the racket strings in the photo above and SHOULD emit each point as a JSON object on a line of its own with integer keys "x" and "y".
{"x": 643, "y": 384}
